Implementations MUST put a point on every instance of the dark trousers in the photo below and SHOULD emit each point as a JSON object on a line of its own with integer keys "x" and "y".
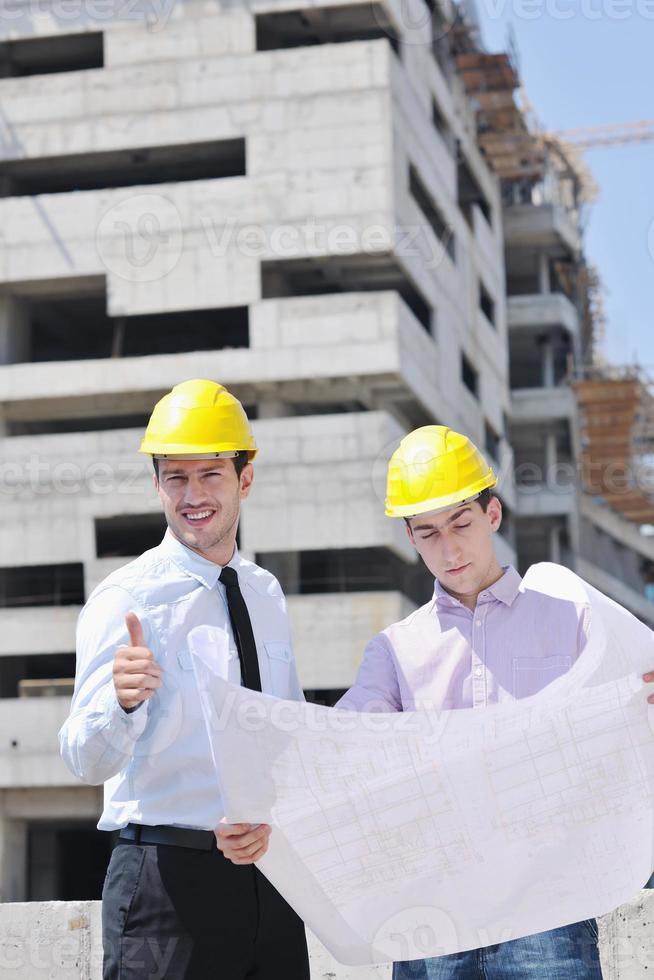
{"x": 177, "y": 913}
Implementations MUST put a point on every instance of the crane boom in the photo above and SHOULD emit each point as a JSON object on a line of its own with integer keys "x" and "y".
{"x": 614, "y": 134}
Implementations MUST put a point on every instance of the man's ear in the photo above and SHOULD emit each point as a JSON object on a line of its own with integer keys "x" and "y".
{"x": 410, "y": 533}
{"x": 155, "y": 482}
{"x": 495, "y": 513}
{"x": 246, "y": 479}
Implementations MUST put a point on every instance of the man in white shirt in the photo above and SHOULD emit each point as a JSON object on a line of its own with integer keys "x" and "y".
{"x": 182, "y": 898}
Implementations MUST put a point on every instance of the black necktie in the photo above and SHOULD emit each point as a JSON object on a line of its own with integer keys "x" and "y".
{"x": 242, "y": 628}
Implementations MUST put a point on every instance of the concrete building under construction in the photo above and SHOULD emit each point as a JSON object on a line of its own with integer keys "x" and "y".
{"x": 339, "y": 212}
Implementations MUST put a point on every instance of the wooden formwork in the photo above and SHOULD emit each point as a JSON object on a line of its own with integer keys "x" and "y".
{"x": 616, "y": 414}
{"x": 511, "y": 150}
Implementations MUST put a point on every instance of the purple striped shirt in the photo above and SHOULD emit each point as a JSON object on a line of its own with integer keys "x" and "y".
{"x": 445, "y": 655}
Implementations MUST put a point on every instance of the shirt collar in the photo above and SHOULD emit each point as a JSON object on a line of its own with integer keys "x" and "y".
{"x": 505, "y": 589}
{"x": 205, "y": 571}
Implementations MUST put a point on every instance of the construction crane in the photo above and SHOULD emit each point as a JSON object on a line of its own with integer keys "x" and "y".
{"x": 614, "y": 134}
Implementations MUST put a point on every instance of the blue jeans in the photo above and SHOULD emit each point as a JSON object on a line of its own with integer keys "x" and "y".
{"x": 567, "y": 953}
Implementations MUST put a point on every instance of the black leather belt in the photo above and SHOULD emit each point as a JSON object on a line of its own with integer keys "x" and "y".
{"x": 203, "y": 840}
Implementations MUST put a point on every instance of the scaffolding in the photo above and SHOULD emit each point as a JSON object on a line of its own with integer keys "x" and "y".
{"x": 615, "y": 405}
{"x": 582, "y": 284}
{"x": 616, "y": 419}
{"x": 515, "y": 147}
{"x": 490, "y": 80}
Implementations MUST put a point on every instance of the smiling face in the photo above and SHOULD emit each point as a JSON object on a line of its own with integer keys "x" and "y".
{"x": 201, "y": 499}
{"x": 456, "y": 545}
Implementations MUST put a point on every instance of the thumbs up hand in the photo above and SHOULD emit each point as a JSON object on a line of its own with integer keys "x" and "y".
{"x": 135, "y": 671}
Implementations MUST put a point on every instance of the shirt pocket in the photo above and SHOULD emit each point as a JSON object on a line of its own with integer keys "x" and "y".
{"x": 532, "y": 674}
{"x": 278, "y": 655}
{"x": 228, "y": 668}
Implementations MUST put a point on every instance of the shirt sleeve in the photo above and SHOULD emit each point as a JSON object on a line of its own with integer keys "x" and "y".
{"x": 97, "y": 739}
{"x": 376, "y": 687}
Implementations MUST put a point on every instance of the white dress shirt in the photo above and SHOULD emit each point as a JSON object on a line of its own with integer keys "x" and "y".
{"x": 155, "y": 762}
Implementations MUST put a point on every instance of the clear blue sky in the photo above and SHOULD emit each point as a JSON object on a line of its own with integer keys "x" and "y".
{"x": 584, "y": 72}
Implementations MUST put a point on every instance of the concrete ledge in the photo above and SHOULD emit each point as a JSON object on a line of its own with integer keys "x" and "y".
{"x": 63, "y": 941}
{"x": 539, "y": 310}
{"x": 546, "y": 224}
{"x": 616, "y": 526}
{"x": 530, "y": 405}
{"x": 636, "y": 602}
{"x": 545, "y": 502}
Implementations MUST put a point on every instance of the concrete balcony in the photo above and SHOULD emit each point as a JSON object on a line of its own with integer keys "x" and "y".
{"x": 330, "y": 632}
{"x": 542, "y": 310}
{"x": 541, "y": 225}
{"x": 543, "y": 501}
{"x": 334, "y": 347}
{"x": 44, "y": 629}
{"x": 319, "y": 484}
{"x": 330, "y": 166}
{"x": 30, "y": 749}
{"x": 537, "y": 405}
{"x": 175, "y": 96}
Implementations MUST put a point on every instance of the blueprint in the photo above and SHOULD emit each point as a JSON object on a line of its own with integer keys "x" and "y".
{"x": 398, "y": 836}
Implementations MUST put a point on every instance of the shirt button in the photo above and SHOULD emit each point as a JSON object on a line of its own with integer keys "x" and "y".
{"x": 478, "y": 622}
{"x": 478, "y": 671}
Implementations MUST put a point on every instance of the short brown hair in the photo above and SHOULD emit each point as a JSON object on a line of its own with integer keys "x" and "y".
{"x": 485, "y": 498}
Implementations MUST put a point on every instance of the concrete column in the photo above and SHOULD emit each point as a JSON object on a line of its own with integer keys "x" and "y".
{"x": 13, "y": 859}
{"x": 551, "y": 456}
{"x": 14, "y": 331}
{"x": 548, "y": 362}
{"x": 544, "y": 283}
{"x": 555, "y": 544}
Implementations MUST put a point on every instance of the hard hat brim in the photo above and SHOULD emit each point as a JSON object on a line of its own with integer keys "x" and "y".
{"x": 225, "y": 454}
{"x": 442, "y": 503}
{"x": 195, "y": 452}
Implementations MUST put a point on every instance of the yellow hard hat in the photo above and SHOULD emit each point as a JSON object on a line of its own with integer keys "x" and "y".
{"x": 432, "y": 469}
{"x": 198, "y": 419}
